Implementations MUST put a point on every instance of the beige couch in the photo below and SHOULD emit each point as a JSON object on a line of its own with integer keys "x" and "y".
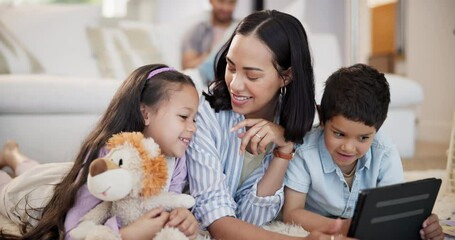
{"x": 61, "y": 64}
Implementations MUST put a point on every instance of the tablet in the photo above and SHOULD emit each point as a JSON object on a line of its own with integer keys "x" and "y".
{"x": 394, "y": 211}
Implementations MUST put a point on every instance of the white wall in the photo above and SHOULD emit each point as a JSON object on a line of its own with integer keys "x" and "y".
{"x": 430, "y": 60}
{"x": 319, "y": 17}
{"x": 159, "y": 11}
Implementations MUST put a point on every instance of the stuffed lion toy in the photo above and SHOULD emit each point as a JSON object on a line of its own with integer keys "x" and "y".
{"x": 130, "y": 180}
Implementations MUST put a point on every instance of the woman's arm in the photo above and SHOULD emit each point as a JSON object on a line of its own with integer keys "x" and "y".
{"x": 255, "y": 209}
{"x": 273, "y": 178}
{"x": 260, "y": 133}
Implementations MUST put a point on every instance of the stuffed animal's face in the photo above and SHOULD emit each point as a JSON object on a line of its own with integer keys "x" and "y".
{"x": 133, "y": 166}
{"x": 110, "y": 177}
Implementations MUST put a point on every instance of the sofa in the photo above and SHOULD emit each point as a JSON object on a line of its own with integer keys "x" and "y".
{"x": 61, "y": 64}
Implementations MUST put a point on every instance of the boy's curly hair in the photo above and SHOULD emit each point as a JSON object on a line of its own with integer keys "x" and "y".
{"x": 359, "y": 93}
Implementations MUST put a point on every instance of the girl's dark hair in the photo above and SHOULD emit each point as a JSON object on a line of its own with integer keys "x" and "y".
{"x": 285, "y": 36}
{"x": 359, "y": 93}
{"x": 122, "y": 115}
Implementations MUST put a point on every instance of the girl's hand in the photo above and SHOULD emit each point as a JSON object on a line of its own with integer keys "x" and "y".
{"x": 146, "y": 226}
{"x": 431, "y": 229}
{"x": 184, "y": 220}
{"x": 260, "y": 133}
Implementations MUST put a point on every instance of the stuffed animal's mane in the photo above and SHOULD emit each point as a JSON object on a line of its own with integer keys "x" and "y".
{"x": 154, "y": 168}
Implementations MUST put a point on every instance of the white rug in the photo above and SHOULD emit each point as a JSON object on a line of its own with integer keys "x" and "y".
{"x": 444, "y": 208}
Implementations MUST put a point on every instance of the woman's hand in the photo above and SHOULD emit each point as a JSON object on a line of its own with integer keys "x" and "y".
{"x": 259, "y": 134}
{"x": 184, "y": 220}
{"x": 431, "y": 229}
{"x": 146, "y": 226}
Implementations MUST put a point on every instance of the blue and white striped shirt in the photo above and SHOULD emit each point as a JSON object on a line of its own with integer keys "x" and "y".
{"x": 214, "y": 169}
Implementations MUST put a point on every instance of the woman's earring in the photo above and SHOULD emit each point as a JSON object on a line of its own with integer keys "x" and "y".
{"x": 283, "y": 91}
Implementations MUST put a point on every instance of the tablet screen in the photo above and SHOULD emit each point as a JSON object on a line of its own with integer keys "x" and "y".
{"x": 395, "y": 211}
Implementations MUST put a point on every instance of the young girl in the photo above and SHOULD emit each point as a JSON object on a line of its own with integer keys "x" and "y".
{"x": 155, "y": 100}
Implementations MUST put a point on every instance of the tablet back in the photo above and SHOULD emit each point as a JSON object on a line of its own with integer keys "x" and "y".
{"x": 395, "y": 211}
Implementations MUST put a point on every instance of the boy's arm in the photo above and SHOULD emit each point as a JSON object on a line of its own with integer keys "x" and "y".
{"x": 294, "y": 212}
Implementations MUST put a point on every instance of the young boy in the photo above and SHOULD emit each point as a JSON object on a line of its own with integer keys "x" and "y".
{"x": 345, "y": 154}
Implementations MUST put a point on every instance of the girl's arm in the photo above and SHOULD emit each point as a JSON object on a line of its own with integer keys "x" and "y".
{"x": 294, "y": 212}
{"x": 184, "y": 220}
{"x": 147, "y": 226}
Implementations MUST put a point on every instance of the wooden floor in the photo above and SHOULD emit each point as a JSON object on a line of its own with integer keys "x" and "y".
{"x": 428, "y": 155}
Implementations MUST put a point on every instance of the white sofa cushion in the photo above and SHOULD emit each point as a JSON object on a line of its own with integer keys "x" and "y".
{"x": 167, "y": 37}
{"x": 14, "y": 57}
{"x": 32, "y": 94}
{"x": 404, "y": 92}
{"x": 119, "y": 51}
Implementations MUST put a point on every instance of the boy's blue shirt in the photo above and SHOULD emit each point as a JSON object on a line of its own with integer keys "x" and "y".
{"x": 312, "y": 171}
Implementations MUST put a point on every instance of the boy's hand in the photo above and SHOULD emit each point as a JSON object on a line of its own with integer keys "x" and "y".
{"x": 184, "y": 220}
{"x": 431, "y": 229}
{"x": 346, "y": 223}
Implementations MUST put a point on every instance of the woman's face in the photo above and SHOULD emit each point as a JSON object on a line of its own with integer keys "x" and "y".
{"x": 251, "y": 78}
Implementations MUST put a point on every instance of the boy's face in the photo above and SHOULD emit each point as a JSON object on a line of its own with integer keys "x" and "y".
{"x": 347, "y": 141}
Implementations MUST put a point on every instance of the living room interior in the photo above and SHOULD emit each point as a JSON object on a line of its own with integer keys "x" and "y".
{"x": 61, "y": 61}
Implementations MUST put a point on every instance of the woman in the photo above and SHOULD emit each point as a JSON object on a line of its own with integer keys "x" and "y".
{"x": 260, "y": 104}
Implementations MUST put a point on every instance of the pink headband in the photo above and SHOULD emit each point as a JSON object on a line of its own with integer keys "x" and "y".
{"x": 159, "y": 70}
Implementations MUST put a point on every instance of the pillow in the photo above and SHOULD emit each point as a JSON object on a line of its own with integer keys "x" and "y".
{"x": 167, "y": 36}
{"x": 120, "y": 51}
{"x": 14, "y": 57}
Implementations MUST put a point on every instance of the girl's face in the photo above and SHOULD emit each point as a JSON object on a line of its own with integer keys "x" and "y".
{"x": 252, "y": 80}
{"x": 347, "y": 141}
{"x": 171, "y": 124}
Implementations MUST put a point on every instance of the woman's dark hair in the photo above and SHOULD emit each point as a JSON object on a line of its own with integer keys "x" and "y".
{"x": 122, "y": 115}
{"x": 285, "y": 36}
{"x": 359, "y": 93}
